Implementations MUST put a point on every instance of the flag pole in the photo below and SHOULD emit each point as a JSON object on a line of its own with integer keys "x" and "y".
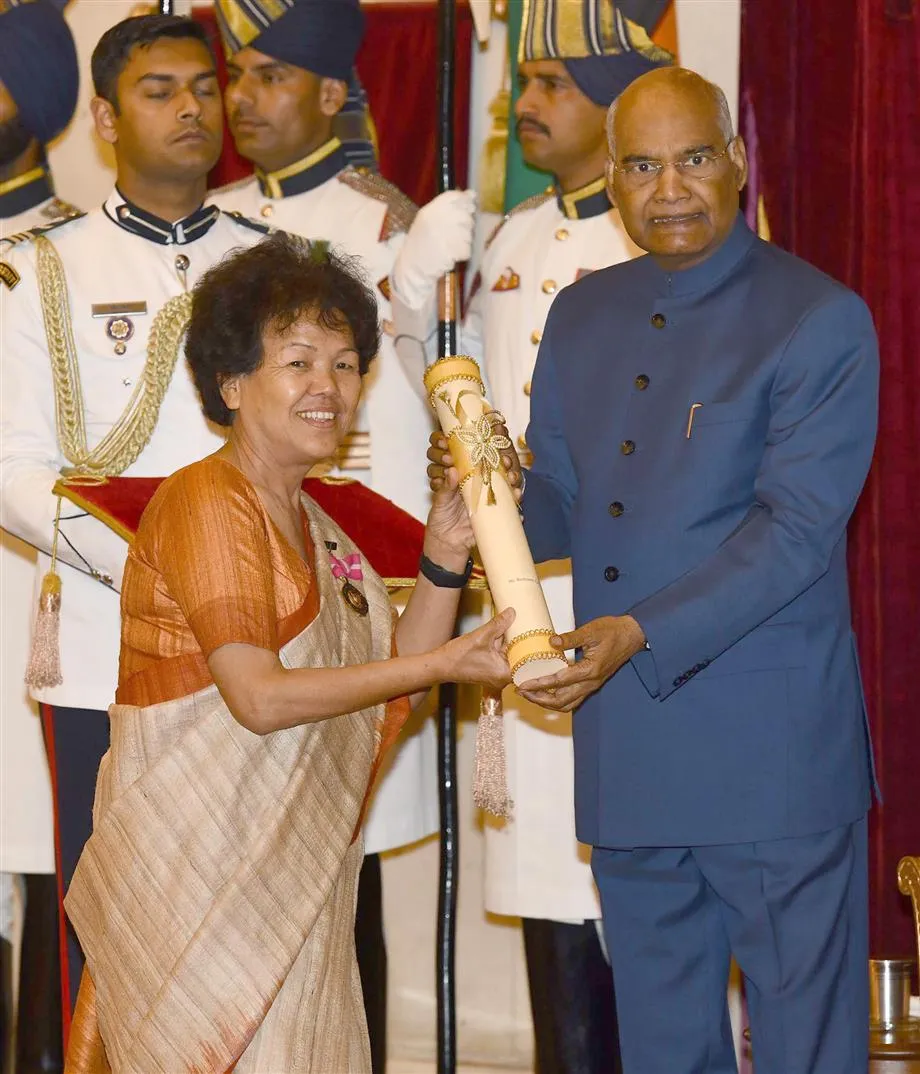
{"x": 448, "y": 296}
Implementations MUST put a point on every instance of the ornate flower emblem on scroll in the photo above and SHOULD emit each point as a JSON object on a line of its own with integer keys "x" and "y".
{"x": 483, "y": 446}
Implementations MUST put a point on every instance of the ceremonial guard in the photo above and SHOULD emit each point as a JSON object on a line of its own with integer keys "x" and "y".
{"x": 569, "y": 73}
{"x": 288, "y": 74}
{"x": 38, "y": 93}
{"x": 94, "y": 310}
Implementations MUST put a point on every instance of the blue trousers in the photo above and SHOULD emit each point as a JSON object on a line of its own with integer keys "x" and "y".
{"x": 76, "y": 740}
{"x": 793, "y": 912}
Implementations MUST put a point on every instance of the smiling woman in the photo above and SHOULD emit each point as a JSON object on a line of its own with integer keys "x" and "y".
{"x": 261, "y": 680}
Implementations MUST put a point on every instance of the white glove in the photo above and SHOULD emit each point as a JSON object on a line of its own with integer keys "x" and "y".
{"x": 440, "y": 236}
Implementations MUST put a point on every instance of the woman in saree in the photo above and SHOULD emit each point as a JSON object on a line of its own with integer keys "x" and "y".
{"x": 261, "y": 677}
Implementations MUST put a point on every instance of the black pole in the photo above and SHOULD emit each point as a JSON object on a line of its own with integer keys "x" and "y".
{"x": 447, "y": 695}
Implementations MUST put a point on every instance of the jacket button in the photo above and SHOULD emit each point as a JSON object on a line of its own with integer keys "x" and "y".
{"x": 561, "y": 234}
{"x": 616, "y": 509}
{"x": 266, "y": 210}
{"x": 527, "y": 388}
{"x": 535, "y": 336}
{"x": 659, "y": 320}
{"x": 549, "y": 287}
{"x": 641, "y": 382}
{"x": 628, "y": 447}
{"x": 611, "y": 574}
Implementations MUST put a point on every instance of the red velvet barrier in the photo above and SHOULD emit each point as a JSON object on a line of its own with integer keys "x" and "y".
{"x": 390, "y": 537}
{"x": 397, "y": 63}
{"x": 835, "y": 88}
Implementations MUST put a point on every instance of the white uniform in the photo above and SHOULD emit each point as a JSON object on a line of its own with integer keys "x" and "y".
{"x": 117, "y": 281}
{"x": 534, "y": 865}
{"x": 26, "y": 826}
{"x": 363, "y": 215}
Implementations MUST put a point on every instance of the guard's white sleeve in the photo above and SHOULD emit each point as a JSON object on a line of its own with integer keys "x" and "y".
{"x": 414, "y": 330}
{"x": 30, "y": 457}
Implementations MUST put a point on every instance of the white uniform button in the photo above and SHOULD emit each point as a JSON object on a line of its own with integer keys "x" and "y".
{"x": 549, "y": 287}
{"x": 562, "y": 234}
{"x": 536, "y": 335}
{"x": 267, "y": 210}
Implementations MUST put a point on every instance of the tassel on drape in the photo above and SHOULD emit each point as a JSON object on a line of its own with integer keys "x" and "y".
{"x": 44, "y": 668}
{"x": 490, "y": 778}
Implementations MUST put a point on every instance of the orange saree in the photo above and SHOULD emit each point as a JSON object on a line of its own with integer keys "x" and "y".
{"x": 215, "y": 898}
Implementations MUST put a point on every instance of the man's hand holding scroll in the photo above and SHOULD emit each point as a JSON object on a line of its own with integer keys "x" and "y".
{"x": 606, "y": 644}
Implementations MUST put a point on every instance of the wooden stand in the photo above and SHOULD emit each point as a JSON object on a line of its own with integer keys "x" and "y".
{"x": 896, "y": 1052}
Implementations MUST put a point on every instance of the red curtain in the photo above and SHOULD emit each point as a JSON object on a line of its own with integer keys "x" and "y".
{"x": 398, "y": 66}
{"x": 834, "y": 88}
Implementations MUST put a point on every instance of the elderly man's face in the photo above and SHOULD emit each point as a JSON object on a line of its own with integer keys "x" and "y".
{"x": 678, "y": 218}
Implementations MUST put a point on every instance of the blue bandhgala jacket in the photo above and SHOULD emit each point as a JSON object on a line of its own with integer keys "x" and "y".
{"x": 745, "y": 720}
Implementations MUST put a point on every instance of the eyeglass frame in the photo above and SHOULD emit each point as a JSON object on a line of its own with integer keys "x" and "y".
{"x": 662, "y": 164}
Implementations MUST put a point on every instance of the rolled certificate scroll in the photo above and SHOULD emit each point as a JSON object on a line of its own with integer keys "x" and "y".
{"x": 456, "y": 393}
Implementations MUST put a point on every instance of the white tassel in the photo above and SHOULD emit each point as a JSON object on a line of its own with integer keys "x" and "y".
{"x": 490, "y": 779}
{"x": 44, "y": 668}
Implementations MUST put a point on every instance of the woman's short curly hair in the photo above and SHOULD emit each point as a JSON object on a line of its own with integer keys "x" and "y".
{"x": 272, "y": 284}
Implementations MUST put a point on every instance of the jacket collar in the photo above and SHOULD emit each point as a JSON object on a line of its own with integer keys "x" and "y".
{"x": 138, "y": 221}
{"x": 707, "y": 274}
{"x": 305, "y": 174}
{"x": 587, "y": 201}
{"x": 25, "y": 191}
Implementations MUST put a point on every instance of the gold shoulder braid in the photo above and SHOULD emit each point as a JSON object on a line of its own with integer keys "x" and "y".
{"x": 128, "y": 437}
{"x": 121, "y": 445}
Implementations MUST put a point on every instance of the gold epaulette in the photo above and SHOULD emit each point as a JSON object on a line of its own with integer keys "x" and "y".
{"x": 19, "y": 237}
{"x": 400, "y": 209}
{"x": 533, "y": 202}
{"x": 58, "y": 210}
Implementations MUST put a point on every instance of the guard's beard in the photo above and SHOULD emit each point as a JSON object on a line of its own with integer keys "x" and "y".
{"x": 14, "y": 141}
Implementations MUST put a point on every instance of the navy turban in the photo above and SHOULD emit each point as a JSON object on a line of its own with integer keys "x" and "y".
{"x": 38, "y": 66}
{"x": 321, "y": 36}
{"x": 603, "y": 78}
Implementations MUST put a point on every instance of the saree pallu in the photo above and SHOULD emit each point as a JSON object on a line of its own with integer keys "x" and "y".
{"x": 215, "y": 899}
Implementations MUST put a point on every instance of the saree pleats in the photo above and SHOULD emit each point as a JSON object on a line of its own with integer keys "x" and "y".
{"x": 215, "y": 898}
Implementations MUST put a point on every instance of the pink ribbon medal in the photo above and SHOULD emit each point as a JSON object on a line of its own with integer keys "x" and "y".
{"x": 346, "y": 570}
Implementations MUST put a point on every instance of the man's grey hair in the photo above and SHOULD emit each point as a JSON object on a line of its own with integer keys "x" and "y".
{"x": 682, "y": 75}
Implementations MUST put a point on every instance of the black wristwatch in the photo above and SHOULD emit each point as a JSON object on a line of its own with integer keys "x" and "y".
{"x": 443, "y": 578}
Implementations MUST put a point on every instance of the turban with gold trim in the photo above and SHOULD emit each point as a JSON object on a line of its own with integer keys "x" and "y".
{"x": 38, "y": 65}
{"x": 321, "y": 36}
{"x": 602, "y": 50}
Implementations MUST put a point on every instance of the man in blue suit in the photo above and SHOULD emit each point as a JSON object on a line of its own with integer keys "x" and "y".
{"x": 702, "y": 421}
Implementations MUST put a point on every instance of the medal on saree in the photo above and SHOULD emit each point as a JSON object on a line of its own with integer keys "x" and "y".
{"x": 347, "y": 569}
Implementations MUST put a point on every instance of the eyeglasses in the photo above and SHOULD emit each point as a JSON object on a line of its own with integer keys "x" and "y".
{"x": 699, "y": 165}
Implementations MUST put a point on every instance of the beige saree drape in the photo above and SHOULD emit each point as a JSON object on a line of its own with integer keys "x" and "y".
{"x": 215, "y": 899}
